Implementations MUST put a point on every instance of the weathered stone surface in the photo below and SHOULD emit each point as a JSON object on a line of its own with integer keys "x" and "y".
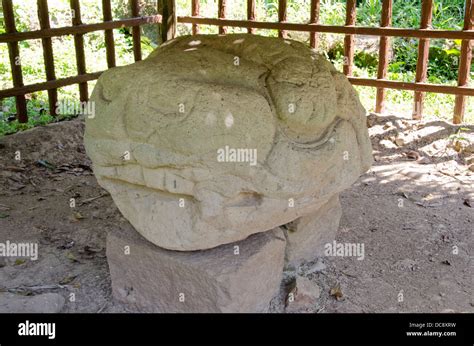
{"x": 170, "y": 115}
{"x": 41, "y": 303}
{"x": 307, "y": 235}
{"x": 303, "y": 297}
{"x": 151, "y": 279}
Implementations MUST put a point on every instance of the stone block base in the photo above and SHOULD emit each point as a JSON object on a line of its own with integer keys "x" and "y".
{"x": 238, "y": 277}
{"x": 307, "y": 236}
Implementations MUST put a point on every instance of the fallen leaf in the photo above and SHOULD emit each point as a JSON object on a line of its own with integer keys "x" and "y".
{"x": 336, "y": 292}
{"x": 78, "y": 216}
{"x": 428, "y": 197}
{"x": 45, "y": 164}
{"x": 387, "y": 125}
{"x": 87, "y": 248}
{"x": 67, "y": 280}
{"x": 412, "y": 155}
{"x": 403, "y": 194}
{"x": 457, "y": 146}
{"x": 19, "y": 262}
{"x": 71, "y": 257}
{"x": 400, "y": 141}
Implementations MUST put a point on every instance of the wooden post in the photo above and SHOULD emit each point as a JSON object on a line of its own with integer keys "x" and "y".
{"x": 43, "y": 16}
{"x": 79, "y": 46}
{"x": 108, "y": 34}
{"x": 15, "y": 61}
{"x": 385, "y": 21}
{"x": 168, "y": 21}
{"x": 251, "y": 14}
{"x": 349, "y": 39}
{"x": 423, "y": 55}
{"x": 136, "y": 36}
{"x": 464, "y": 64}
{"x": 221, "y": 15}
{"x": 314, "y": 19}
{"x": 195, "y": 13}
{"x": 282, "y": 4}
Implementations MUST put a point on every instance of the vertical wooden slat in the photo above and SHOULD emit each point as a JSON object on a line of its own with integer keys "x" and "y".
{"x": 136, "y": 36}
{"x": 314, "y": 19}
{"x": 108, "y": 34}
{"x": 161, "y": 35}
{"x": 464, "y": 64}
{"x": 195, "y": 13}
{"x": 385, "y": 21}
{"x": 43, "y": 16}
{"x": 251, "y": 14}
{"x": 221, "y": 15}
{"x": 15, "y": 62}
{"x": 168, "y": 22}
{"x": 349, "y": 39}
{"x": 282, "y": 11}
{"x": 423, "y": 55}
{"x": 79, "y": 46}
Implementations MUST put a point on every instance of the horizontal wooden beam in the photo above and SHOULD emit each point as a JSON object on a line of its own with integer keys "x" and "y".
{"x": 380, "y": 83}
{"x": 354, "y": 30}
{"x": 390, "y": 84}
{"x": 388, "y": 31}
{"x": 53, "y": 84}
{"x": 78, "y": 29}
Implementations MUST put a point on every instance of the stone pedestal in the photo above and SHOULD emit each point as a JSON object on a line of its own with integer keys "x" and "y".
{"x": 307, "y": 236}
{"x": 239, "y": 277}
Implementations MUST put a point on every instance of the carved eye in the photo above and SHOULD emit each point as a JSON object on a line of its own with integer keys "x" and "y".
{"x": 304, "y": 112}
{"x": 323, "y": 139}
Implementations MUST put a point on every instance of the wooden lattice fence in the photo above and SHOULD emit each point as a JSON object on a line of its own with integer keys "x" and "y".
{"x": 168, "y": 21}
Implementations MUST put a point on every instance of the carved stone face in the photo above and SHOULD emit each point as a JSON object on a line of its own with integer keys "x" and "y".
{"x": 213, "y": 138}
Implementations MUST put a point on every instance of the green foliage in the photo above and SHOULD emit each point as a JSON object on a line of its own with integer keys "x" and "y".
{"x": 444, "y": 63}
{"x": 443, "y": 56}
{"x": 368, "y": 12}
{"x": 362, "y": 59}
{"x": 332, "y": 12}
{"x": 405, "y": 55}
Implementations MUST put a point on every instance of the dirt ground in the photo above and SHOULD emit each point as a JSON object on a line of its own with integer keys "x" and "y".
{"x": 413, "y": 211}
